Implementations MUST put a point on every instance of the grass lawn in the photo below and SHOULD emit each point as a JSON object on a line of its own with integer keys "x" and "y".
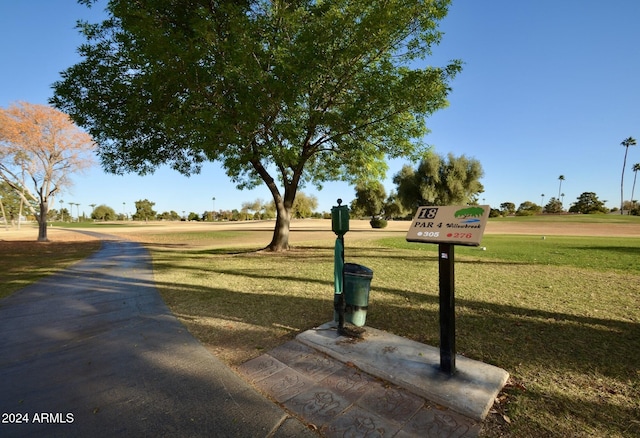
{"x": 24, "y": 262}
{"x": 560, "y": 314}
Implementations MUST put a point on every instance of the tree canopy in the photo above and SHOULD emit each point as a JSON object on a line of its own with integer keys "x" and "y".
{"x": 588, "y": 203}
{"x": 370, "y": 199}
{"x": 284, "y": 93}
{"x": 553, "y": 206}
{"x": 144, "y": 210}
{"x": 440, "y": 181}
{"x": 528, "y": 208}
{"x": 103, "y": 213}
{"x": 40, "y": 147}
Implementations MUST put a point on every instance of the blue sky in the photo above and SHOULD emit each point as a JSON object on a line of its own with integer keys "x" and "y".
{"x": 549, "y": 88}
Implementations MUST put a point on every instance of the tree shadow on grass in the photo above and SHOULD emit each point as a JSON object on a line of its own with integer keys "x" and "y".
{"x": 508, "y": 336}
{"x": 552, "y": 334}
{"x": 627, "y": 250}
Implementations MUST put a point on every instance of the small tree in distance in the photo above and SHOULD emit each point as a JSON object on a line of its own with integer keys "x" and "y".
{"x": 304, "y": 205}
{"x": 103, "y": 213}
{"x": 528, "y": 208}
{"x": 394, "y": 209}
{"x": 588, "y": 203}
{"x": 635, "y": 168}
{"x": 144, "y": 210}
{"x": 629, "y": 141}
{"x": 369, "y": 199}
{"x": 440, "y": 181}
{"x": 508, "y": 208}
{"x": 553, "y": 206}
{"x": 560, "y": 178}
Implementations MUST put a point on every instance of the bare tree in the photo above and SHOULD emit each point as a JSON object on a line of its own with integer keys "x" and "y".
{"x": 42, "y": 144}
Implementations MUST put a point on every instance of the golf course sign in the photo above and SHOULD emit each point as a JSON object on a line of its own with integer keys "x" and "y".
{"x": 458, "y": 225}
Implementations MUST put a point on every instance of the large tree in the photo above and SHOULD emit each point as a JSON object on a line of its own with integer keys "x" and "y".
{"x": 283, "y": 92}
{"x": 629, "y": 141}
{"x": 40, "y": 147}
{"x": 440, "y": 181}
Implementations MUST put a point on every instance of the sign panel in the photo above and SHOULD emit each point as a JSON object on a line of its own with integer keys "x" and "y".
{"x": 459, "y": 225}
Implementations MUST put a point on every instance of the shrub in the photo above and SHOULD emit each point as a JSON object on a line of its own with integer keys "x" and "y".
{"x": 378, "y": 223}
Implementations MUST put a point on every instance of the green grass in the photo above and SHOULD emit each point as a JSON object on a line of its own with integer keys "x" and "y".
{"x": 561, "y": 318}
{"x": 24, "y": 262}
{"x": 573, "y": 218}
{"x": 598, "y": 253}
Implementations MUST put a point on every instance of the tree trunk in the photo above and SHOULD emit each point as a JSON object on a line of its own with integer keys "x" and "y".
{"x": 280, "y": 239}
{"x": 42, "y": 222}
{"x": 633, "y": 188}
{"x": 4, "y": 215}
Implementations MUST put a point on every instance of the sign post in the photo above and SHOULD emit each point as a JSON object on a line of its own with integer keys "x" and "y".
{"x": 448, "y": 226}
{"x": 447, "y": 308}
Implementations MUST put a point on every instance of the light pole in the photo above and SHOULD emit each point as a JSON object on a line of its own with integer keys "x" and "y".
{"x": 213, "y": 209}
{"x": 78, "y": 207}
{"x": 61, "y": 211}
{"x": 124, "y": 215}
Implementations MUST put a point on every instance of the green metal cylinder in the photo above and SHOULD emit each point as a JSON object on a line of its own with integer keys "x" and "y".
{"x": 357, "y": 285}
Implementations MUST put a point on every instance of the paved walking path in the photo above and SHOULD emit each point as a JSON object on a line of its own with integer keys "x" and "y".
{"x": 94, "y": 352}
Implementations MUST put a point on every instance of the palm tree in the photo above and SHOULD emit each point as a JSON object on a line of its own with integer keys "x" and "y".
{"x": 630, "y": 141}
{"x": 561, "y": 178}
{"x": 635, "y": 169}
{"x": 71, "y": 204}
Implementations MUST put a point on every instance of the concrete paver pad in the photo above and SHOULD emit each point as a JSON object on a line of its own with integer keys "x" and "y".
{"x": 94, "y": 351}
{"x": 471, "y": 391}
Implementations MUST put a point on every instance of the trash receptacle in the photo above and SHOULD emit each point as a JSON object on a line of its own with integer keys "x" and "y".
{"x": 357, "y": 284}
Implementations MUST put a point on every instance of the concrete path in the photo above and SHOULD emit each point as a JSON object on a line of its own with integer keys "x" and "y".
{"x": 94, "y": 352}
